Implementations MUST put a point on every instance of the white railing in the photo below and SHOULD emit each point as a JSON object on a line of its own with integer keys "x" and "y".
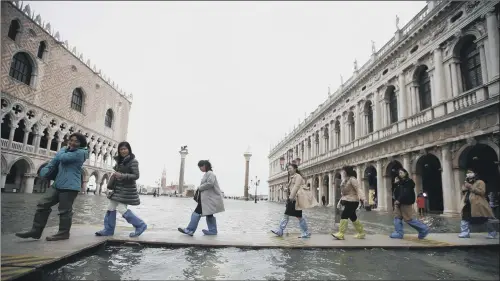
{"x": 29, "y": 148}
{"x": 461, "y": 102}
{"x": 5, "y": 143}
{"x": 17, "y": 146}
{"x": 42, "y": 151}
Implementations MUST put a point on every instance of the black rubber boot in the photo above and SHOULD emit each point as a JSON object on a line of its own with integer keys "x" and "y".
{"x": 39, "y": 222}
{"x": 65, "y": 221}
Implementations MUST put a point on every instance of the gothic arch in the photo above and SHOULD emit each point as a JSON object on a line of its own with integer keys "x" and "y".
{"x": 97, "y": 176}
{"x": 456, "y": 158}
{"x": 415, "y": 160}
{"x": 28, "y": 160}
{"x": 41, "y": 166}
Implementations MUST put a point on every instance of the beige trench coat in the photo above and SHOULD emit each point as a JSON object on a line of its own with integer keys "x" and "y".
{"x": 211, "y": 195}
{"x": 479, "y": 207}
{"x": 302, "y": 194}
{"x": 351, "y": 191}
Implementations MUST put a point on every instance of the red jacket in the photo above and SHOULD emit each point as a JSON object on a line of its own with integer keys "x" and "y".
{"x": 421, "y": 202}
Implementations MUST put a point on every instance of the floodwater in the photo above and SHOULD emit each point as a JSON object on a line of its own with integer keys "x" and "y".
{"x": 146, "y": 263}
{"x": 130, "y": 263}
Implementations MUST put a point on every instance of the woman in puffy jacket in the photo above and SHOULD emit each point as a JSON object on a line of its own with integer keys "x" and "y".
{"x": 124, "y": 193}
{"x": 404, "y": 195}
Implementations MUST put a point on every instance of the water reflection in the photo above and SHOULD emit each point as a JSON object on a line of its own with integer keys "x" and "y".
{"x": 127, "y": 263}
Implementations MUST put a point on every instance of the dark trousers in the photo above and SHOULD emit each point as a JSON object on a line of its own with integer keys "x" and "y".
{"x": 65, "y": 198}
{"x": 349, "y": 211}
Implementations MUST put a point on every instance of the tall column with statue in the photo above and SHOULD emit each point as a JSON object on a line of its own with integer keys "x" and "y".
{"x": 247, "y": 155}
{"x": 184, "y": 153}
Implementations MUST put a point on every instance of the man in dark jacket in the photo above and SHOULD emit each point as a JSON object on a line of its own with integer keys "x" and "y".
{"x": 404, "y": 195}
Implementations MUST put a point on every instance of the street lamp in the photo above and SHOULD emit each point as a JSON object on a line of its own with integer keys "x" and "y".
{"x": 256, "y": 183}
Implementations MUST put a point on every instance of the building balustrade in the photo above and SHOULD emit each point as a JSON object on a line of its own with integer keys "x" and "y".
{"x": 18, "y": 147}
{"x": 461, "y": 104}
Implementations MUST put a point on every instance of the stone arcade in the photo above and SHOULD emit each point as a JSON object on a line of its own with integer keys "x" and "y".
{"x": 426, "y": 101}
{"x": 49, "y": 92}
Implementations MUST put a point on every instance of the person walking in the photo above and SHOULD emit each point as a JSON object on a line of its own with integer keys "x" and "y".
{"x": 295, "y": 182}
{"x": 421, "y": 204}
{"x": 123, "y": 188}
{"x": 351, "y": 196}
{"x": 475, "y": 208}
{"x": 67, "y": 163}
{"x": 404, "y": 194}
{"x": 323, "y": 200}
{"x": 209, "y": 200}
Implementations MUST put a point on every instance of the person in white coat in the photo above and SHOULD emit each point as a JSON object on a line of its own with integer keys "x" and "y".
{"x": 210, "y": 201}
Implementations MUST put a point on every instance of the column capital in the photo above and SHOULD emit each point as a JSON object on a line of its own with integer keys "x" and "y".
{"x": 491, "y": 12}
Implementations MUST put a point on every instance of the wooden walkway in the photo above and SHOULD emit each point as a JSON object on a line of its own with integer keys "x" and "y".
{"x": 20, "y": 257}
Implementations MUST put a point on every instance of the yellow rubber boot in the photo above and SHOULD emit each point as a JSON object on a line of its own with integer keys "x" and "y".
{"x": 359, "y": 228}
{"x": 342, "y": 229}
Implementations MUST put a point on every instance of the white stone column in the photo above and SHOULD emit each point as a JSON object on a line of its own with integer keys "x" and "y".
{"x": 331, "y": 190}
{"x": 2, "y": 180}
{"x": 454, "y": 78}
{"x": 402, "y": 101}
{"x": 320, "y": 193}
{"x": 439, "y": 81}
{"x": 484, "y": 63}
{"x": 59, "y": 143}
{"x": 29, "y": 180}
{"x": 25, "y": 138}
{"x": 383, "y": 121}
{"x": 49, "y": 143}
{"x": 358, "y": 121}
{"x": 493, "y": 43}
{"x": 359, "y": 177}
{"x": 448, "y": 184}
{"x": 11, "y": 134}
{"x": 458, "y": 180}
{"x": 380, "y": 185}
{"x": 376, "y": 113}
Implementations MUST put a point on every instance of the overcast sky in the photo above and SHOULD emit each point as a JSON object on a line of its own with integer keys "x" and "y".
{"x": 222, "y": 76}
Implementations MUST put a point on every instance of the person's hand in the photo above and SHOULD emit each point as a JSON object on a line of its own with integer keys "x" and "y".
{"x": 467, "y": 185}
{"x": 117, "y": 175}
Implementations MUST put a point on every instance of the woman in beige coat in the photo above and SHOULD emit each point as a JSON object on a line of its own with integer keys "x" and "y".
{"x": 210, "y": 202}
{"x": 294, "y": 184}
{"x": 475, "y": 208}
{"x": 351, "y": 195}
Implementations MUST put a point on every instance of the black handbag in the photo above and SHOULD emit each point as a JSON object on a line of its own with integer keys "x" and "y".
{"x": 196, "y": 195}
{"x": 52, "y": 173}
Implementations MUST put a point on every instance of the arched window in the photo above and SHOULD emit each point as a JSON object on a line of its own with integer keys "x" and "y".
{"x": 424, "y": 88}
{"x": 21, "y": 68}
{"x": 108, "y": 120}
{"x": 41, "y": 49}
{"x": 352, "y": 126}
{"x": 14, "y": 29}
{"x": 393, "y": 106}
{"x": 471, "y": 65}
{"x": 338, "y": 138}
{"x": 77, "y": 100}
{"x": 369, "y": 117}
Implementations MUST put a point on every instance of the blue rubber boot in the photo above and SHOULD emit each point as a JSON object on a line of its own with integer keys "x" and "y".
{"x": 212, "y": 226}
{"x": 492, "y": 232}
{"x": 109, "y": 224}
{"x": 282, "y": 226}
{"x": 140, "y": 225}
{"x": 398, "y": 229}
{"x": 303, "y": 228}
{"x": 423, "y": 230}
{"x": 192, "y": 226}
{"x": 464, "y": 229}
